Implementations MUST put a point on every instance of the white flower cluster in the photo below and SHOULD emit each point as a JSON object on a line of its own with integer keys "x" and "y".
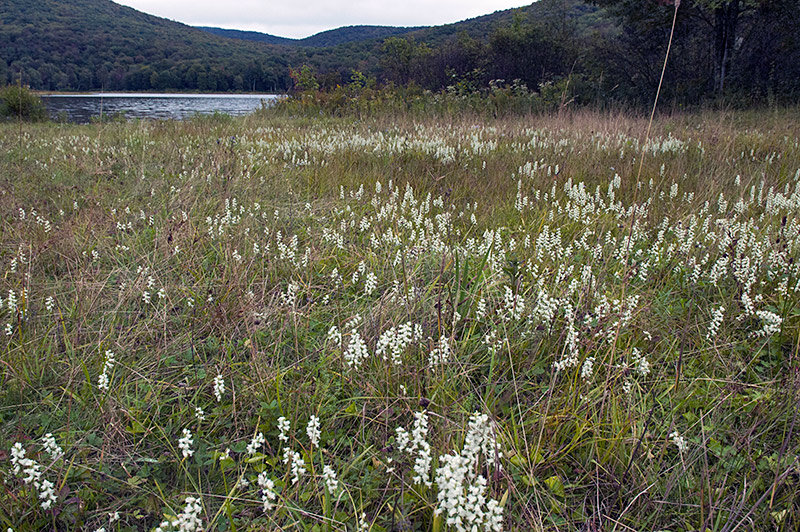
{"x": 716, "y": 320}
{"x": 283, "y": 426}
{"x": 480, "y": 440}
{"x": 462, "y": 492}
{"x": 546, "y": 308}
{"x": 771, "y": 324}
{"x": 441, "y": 353}
{"x": 587, "y": 370}
{"x": 356, "y": 351}
{"x": 257, "y": 441}
{"x": 417, "y": 447}
{"x": 267, "y": 487}
{"x": 53, "y": 449}
{"x": 331, "y": 482}
{"x": 185, "y": 443}
{"x": 480, "y": 309}
{"x": 226, "y": 455}
{"x": 188, "y": 520}
{"x": 296, "y": 464}
{"x": 679, "y": 441}
{"x": 104, "y": 380}
{"x": 313, "y": 431}
{"x": 570, "y": 357}
{"x": 640, "y": 363}
{"x": 11, "y": 302}
{"x": 335, "y": 336}
{"x": 514, "y": 305}
{"x": 219, "y": 387}
{"x": 363, "y": 524}
{"x": 32, "y": 472}
{"x": 370, "y": 283}
{"x": 492, "y": 342}
{"x": 396, "y": 340}
{"x": 289, "y": 298}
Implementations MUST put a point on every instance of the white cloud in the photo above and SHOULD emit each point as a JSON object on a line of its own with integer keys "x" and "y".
{"x": 301, "y": 19}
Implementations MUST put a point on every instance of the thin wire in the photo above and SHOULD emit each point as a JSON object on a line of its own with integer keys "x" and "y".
{"x": 658, "y": 92}
{"x": 638, "y": 176}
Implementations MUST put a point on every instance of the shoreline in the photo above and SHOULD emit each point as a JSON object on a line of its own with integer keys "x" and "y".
{"x": 153, "y": 94}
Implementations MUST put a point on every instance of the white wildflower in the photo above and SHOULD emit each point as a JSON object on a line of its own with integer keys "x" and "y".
{"x": 716, "y": 321}
{"x": 103, "y": 381}
{"x": 370, "y": 283}
{"x": 52, "y": 448}
{"x": 514, "y": 305}
{"x": 440, "y": 353}
{"x": 640, "y": 363}
{"x": 679, "y": 441}
{"x": 11, "y": 301}
{"x": 257, "y": 441}
{"x": 331, "y": 482}
{"x": 462, "y": 492}
{"x": 771, "y": 323}
{"x": 396, "y": 340}
{"x": 189, "y": 519}
{"x": 283, "y": 426}
{"x": 417, "y": 447}
{"x": 219, "y": 387}
{"x": 18, "y": 460}
{"x": 296, "y": 464}
{"x": 587, "y": 370}
{"x": 46, "y": 494}
{"x": 313, "y": 430}
{"x": 356, "y": 351}
{"x": 267, "y": 487}
{"x": 363, "y": 524}
{"x": 335, "y": 336}
{"x": 185, "y": 443}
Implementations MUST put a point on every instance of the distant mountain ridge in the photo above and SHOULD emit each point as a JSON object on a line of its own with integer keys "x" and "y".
{"x": 588, "y": 15}
{"x": 69, "y": 45}
{"x": 93, "y": 44}
{"x": 334, "y": 37}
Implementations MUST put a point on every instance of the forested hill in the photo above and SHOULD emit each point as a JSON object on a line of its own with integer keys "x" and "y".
{"x": 93, "y": 44}
{"x": 89, "y": 44}
{"x": 333, "y": 37}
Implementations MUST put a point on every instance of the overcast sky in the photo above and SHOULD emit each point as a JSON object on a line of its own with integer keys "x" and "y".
{"x": 302, "y": 18}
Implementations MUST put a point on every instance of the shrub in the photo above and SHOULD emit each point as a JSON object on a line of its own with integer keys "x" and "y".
{"x": 20, "y": 102}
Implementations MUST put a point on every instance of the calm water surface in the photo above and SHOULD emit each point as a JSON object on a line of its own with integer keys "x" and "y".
{"x": 83, "y": 107}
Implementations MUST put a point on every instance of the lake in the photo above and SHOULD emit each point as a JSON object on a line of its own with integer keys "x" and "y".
{"x": 82, "y": 108}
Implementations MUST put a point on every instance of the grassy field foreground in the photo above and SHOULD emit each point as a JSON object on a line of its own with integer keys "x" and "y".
{"x": 290, "y": 324}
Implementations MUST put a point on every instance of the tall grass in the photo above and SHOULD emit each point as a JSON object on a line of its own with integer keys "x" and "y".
{"x": 462, "y": 303}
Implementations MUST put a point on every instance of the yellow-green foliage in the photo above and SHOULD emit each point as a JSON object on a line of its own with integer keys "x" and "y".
{"x": 17, "y": 102}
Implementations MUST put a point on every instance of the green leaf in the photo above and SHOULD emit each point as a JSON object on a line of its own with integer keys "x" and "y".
{"x": 555, "y": 485}
{"x": 135, "y": 481}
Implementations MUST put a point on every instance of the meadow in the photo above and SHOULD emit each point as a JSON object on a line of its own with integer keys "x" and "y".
{"x": 401, "y": 323}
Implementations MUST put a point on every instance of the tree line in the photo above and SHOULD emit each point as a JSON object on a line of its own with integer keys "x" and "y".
{"x": 607, "y": 51}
